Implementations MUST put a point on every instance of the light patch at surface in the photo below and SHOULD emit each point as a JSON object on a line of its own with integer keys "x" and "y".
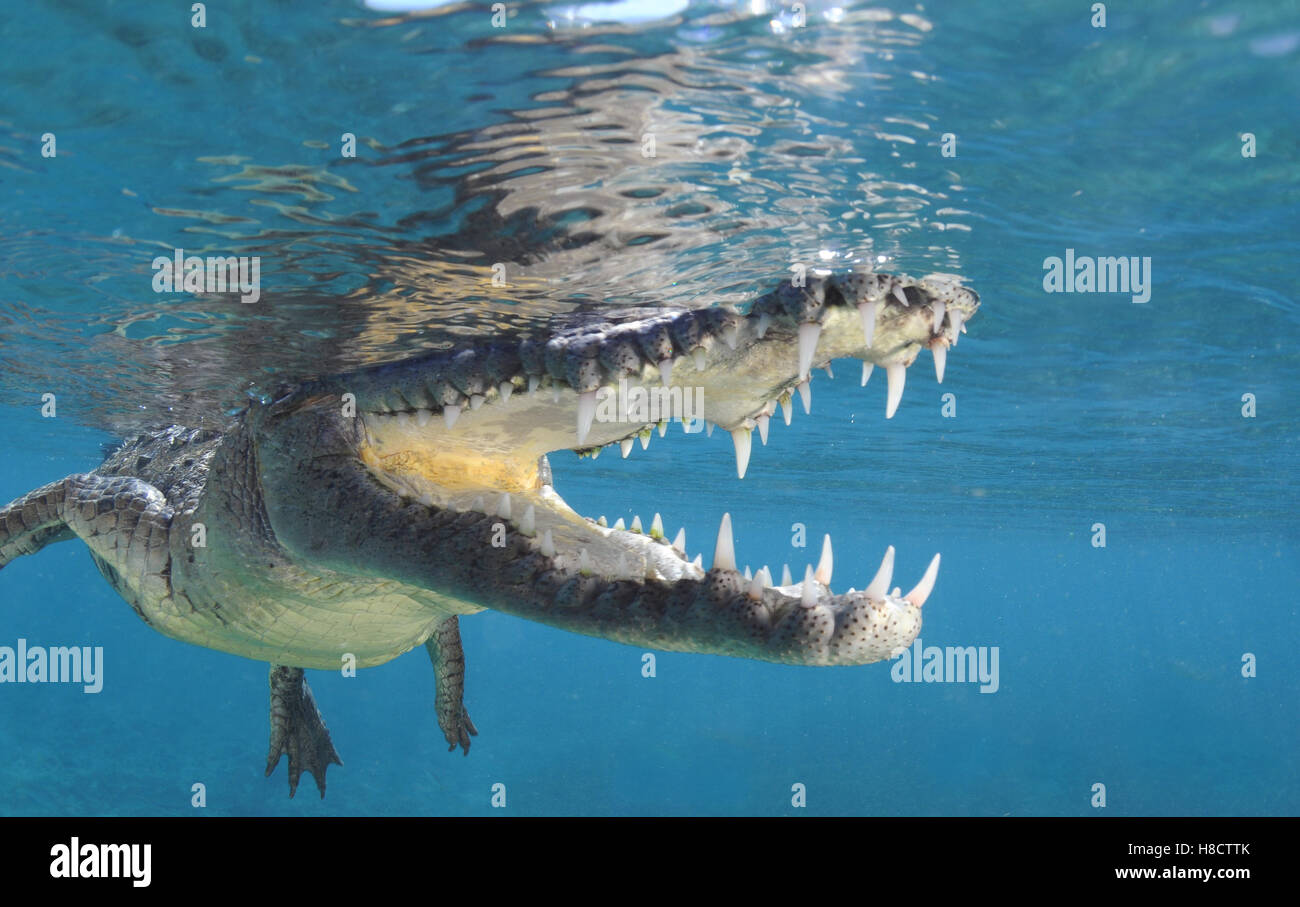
{"x": 629, "y": 11}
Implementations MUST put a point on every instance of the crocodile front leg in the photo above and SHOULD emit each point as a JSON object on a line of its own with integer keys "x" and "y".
{"x": 33, "y": 521}
{"x": 448, "y": 659}
{"x": 297, "y": 729}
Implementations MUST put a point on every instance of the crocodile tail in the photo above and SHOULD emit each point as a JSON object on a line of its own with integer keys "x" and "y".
{"x": 33, "y": 521}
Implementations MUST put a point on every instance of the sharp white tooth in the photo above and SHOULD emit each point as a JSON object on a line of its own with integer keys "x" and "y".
{"x": 899, "y": 294}
{"x": 636, "y": 523}
{"x": 826, "y": 564}
{"x": 939, "y": 307}
{"x": 743, "y": 439}
{"x": 666, "y": 371}
{"x": 708, "y": 429}
{"x": 699, "y": 359}
{"x": 626, "y": 446}
{"x": 762, "y": 427}
{"x": 763, "y": 322}
{"x": 748, "y": 575}
{"x": 663, "y": 428}
{"x": 896, "y": 375}
{"x": 923, "y": 589}
{"x": 422, "y": 417}
{"x": 503, "y": 507}
{"x": 476, "y": 400}
{"x": 657, "y": 526}
{"x": 866, "y": 372}
{"x": 645, "y": 439}
{"x": 619, "y": 524}
{"x": 787, "y": 408}
{"x": 808, "y": 334}
{"x": 829, "y": 374}
{"x": 940, "y": 360}
{"x": 450, "y": 414}
{"x": 403, "y": 420}
{"x": 533, "y": 381}
{"x": 680, "y": 542}
{"x": 876, "y": 588}
{"x": 805, "y": 396}
{"x": 730, "y": 335}
{"x": 786, "y": 578}
{"x": 766, "y": 576}
{"x": 555, "y": 393}
{"x": 528, "y": 525}
{"x": 505, "y": 389}
{"x": 595, "y": 453}
{"x": 699, "y": 561}
{"x": 586, "y": 414}
{"x": 602, "y": 522}
{"x": 868, "y": 312}
{"x": 958, "y": 325}
{"x": 548, "y": 544}
{"x": 897, "y": 593}
{"x": 584, "y": 561}
{"x": 756, "y": 587}
{"x": 808, "y": 598}
{"x": 724, "y": 553}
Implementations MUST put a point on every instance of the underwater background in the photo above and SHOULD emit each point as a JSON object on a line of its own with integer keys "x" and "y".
{"x": 1162, "y": 665}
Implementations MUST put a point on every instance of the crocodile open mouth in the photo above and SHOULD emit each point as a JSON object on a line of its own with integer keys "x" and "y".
{"x": 469, "y": 430}
{"x": 360, "y": 515}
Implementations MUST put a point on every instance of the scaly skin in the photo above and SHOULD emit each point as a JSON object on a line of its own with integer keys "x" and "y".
{"x": 359, "y": 515}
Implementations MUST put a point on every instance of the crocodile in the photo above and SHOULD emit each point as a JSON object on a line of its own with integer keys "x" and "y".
{"x": 353, "y": 517}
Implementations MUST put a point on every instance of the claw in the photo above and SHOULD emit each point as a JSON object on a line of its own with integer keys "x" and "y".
{"x": 297, "y": 730}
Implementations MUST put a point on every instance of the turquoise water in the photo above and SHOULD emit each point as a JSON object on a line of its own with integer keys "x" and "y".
{"x": 775, "y": 144}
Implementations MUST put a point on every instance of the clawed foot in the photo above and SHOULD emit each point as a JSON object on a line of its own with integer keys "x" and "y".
{"x": 457, "y": 730}
{"x": 448, "y": 659}
{"x": 298, "y": 730}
